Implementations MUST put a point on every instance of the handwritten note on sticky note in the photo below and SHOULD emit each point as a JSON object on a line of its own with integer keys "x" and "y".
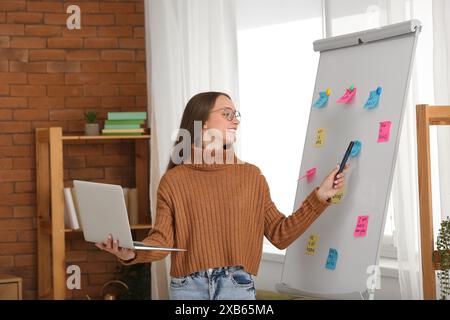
{"x": 337, "y": 198}
{"x": 361, "y": 226}
{"x": 322, "y": 101}
{"x": 312, "y": 244}
{"x": 384, "y": 131}
{"x": 320, "y": 137}
{"x": 348, "y": 96}
{"x": 332, "y": 259}
{"x": 374, "y": 98}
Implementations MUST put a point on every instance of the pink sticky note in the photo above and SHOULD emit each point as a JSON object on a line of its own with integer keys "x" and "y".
{"x": 384, "y": 132}
{"x": 361, "y": 226}
{"x": 309, "y": 175}
{"x": 348, "y": 96}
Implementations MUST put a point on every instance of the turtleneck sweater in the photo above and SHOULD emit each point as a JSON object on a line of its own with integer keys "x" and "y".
{"x": 220, "y": 213}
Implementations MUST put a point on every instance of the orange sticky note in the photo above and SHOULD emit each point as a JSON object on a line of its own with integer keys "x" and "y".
{"x": 384, "y": 131}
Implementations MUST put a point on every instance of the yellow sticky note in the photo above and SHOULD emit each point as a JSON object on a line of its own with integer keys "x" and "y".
{"x": 337, "y": 198}
{"x": 312, "y": 244}
{"x": 320, "y": 137}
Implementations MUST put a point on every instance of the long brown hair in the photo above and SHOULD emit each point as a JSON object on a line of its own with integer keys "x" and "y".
{"x": 197, "y": 109}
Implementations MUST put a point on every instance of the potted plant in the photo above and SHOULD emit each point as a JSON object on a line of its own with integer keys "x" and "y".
{"x": 91, "y": 128}
{"x": 443, "y": 247}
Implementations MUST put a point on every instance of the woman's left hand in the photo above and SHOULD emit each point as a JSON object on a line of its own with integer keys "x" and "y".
{"x": 331, "y": 187}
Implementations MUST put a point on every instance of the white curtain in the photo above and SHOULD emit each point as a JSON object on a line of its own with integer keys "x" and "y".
{"x": 441, "y": 68}
{"x": 351, "y": 16}
{"x": 191, "y": 47}
{"x": 405, "y": 194}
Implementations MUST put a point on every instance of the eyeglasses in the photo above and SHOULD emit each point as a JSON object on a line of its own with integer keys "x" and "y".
{"x": 229, "y": 114}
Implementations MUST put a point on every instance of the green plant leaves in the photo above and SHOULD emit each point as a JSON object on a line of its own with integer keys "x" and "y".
{"x": 443, "y": 247}
{"x": 90, "y": 116}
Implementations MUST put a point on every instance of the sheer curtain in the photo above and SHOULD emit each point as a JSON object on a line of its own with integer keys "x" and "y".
{"x": 350, "y": 16}
{"x": 191, "y": 47}
{"x": 441, "y": 26}
{"x": 441, "y": 50}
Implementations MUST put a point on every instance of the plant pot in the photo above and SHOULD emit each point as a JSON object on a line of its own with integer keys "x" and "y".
{"x": 91, "y": 129}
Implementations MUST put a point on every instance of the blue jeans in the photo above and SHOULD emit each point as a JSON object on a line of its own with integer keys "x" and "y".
{"x": 224, "y": 283}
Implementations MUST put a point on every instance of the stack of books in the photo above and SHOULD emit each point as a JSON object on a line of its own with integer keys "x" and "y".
{"x": 125, "y": 123}
{"x": 71, "y": 219}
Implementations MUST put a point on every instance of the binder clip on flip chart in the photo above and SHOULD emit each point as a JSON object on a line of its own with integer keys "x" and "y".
{"x": 323, "y": 99}
{"x": 348, "y": 95}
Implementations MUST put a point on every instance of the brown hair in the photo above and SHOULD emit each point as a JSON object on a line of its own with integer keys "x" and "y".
{"x": 197, "y": 109}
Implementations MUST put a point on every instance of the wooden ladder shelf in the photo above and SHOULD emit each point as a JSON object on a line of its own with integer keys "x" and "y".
{"x": 50, "y": 204}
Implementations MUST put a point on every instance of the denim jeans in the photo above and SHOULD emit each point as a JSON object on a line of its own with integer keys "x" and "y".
{"x": 224, "y": 283}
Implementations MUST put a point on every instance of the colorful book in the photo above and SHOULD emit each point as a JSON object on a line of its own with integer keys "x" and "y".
{"x": 115, "y": 122}
{"x": 127, "y": 115}
{"x": 122, "y": 126}
{"x": 121, "y": 133}
{"x": 124, "y": 130}
{"x": 70, "y": 212}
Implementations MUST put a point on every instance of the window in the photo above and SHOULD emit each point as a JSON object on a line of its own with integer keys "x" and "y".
{"x": 277, "y": 71}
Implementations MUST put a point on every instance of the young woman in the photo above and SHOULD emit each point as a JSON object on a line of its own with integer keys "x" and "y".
{"x": 218, "y": 210}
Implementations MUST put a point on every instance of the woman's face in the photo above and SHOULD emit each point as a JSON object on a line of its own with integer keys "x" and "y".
{"x": 219, "y": 119}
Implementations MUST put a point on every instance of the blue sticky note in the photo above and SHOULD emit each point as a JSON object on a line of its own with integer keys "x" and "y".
{"x": 332, "y": 259}
{"x": 374, "y": 98}
{"x": 356, "y": 148}
{"x": 322, "y": 101}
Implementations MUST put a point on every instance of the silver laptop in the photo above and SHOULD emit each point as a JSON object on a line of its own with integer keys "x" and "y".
{"x": 102, "y": 211}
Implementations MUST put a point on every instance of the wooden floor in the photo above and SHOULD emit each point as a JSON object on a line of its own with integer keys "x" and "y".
{"x": 269, "y": 295}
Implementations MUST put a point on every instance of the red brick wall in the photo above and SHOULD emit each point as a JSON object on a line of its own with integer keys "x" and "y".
{"x": 50, "y": 76}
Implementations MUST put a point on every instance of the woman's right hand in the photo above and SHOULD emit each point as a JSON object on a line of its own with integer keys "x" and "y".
{"x": 112, "y": 246}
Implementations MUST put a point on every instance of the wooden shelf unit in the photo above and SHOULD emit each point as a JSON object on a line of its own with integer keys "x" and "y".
{"x": 427, "y": 116}
{"x": 50, "y": 204}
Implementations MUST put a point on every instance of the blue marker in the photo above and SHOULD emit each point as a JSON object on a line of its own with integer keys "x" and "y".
{"x": 344, "y": 160}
